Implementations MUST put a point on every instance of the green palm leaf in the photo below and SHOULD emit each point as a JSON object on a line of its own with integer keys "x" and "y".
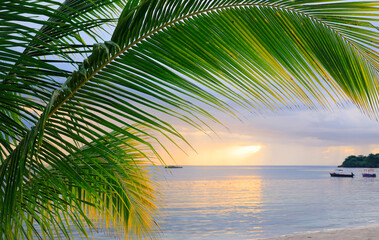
{"x": 168, "y": 59}
{"x": 30, "y": 58}
{"x": 102, "y": 193}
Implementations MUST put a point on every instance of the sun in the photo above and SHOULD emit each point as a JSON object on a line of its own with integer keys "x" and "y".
{"x": 244, "y": 151}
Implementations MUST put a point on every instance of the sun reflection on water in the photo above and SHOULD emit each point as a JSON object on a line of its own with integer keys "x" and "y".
{"x": 235, "y": 202}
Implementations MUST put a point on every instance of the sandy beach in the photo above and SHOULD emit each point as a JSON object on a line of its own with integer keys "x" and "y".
{"x": 361, "y": 233}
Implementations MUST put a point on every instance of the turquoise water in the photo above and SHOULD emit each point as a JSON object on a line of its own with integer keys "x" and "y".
{"x": 259, "y": 202}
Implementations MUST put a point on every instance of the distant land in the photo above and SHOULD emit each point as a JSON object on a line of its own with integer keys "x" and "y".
{"x": 360, "y": 161}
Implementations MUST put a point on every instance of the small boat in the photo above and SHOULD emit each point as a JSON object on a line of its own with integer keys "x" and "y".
{"x": 368, "y": 173}
{"x": 340, "y": 173}
{"x": 172, "y": 166}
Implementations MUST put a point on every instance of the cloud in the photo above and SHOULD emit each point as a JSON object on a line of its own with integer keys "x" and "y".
{"x": 287, "y": 138}
{"x": 344, "y": 127}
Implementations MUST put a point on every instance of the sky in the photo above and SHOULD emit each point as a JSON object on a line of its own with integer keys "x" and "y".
{"x": 283, "y": 138}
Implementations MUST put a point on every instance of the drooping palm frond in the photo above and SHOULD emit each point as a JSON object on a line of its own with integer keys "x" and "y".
{"x": 102, "y": 193}
{"x": 300, "y": 48}
{"x": 27, "y": 85}
{"x": 171, "y": 58}
{"x": 35, "y": 36}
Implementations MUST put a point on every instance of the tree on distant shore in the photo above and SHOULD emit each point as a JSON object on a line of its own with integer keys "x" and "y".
{"x": 370, "y": 161}
{"x": 80, "y": 118}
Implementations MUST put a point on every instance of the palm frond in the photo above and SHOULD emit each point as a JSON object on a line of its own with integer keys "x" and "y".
{"x": 91, "y": 191}
{"x": 275, "y": 42}
{"x": 13, "y": 171}
{"x": 74, "y": 19}
{"x": 28, "y": 70}
{"x": 175, "y": 59}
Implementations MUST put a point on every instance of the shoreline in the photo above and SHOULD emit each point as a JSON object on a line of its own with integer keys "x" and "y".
{"x": 368, "y": 232}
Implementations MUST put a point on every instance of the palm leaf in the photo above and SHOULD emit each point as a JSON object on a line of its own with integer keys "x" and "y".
{"x": 111, "y": 193}
{"x": 169, "y": 59}
{"x": 29, "y": 58}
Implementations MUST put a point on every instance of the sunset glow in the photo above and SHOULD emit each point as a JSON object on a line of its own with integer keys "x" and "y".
{"x": 244, "y": 151}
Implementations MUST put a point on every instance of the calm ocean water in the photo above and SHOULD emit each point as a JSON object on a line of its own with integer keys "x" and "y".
{"x": 259, "y": 202}
{"x": 233, "y": 203}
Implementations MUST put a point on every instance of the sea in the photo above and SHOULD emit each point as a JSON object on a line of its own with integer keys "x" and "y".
{"x": 254, "y": 202}
{"x": 251, "y": 202}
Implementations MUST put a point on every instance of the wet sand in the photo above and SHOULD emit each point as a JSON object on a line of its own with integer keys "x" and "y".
{"x": 361, "y": 233}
